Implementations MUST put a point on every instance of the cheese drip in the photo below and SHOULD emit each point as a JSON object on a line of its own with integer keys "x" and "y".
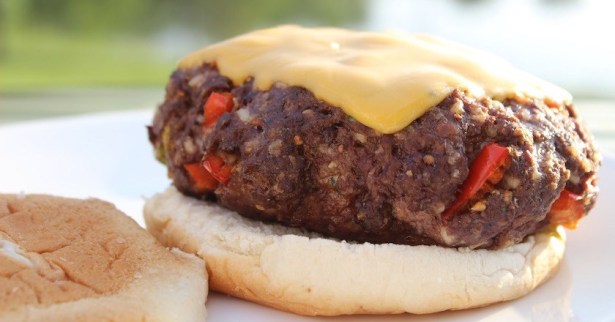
{"x": 382, "y": 80}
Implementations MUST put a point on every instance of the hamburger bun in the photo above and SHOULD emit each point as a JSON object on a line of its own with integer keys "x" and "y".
{"x": 304, "y": 273}
{"x": 84, "y": 260}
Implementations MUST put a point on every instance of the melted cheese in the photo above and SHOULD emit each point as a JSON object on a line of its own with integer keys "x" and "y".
{"x": 383, "y": 80}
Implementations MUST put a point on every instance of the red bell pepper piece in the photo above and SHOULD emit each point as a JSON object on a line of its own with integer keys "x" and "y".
{"x": 217, "y": 168}
{"x": 203, "y": 181}
{"x": 567, "y": 210}
{"x": 216, "y": 105}
{"x": 486, "y": 167}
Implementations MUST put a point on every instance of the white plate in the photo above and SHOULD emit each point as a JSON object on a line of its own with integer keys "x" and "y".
{"x": 108, "y": 156}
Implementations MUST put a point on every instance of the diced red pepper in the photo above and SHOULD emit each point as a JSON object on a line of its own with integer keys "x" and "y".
{"x": 217, "y": 168}
{"x": 567, "y": 210}
{"x": 203, "y": 180}
{"x": 551, "y": 103}
{"x": 216, "y": 105}
{"x": 488, "y": 166}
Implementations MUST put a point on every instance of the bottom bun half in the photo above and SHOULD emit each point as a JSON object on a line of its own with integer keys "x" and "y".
{"x": 308, "y": 274}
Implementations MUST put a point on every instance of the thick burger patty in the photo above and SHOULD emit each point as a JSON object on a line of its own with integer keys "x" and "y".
{"x": 301, "y": 162}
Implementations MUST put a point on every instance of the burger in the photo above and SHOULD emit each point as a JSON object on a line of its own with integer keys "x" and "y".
{"x": 326, "y": 171}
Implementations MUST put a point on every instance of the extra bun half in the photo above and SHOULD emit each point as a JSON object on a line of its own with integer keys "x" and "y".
{"x": 84, "y": 260}
{"x": 305, "y": 273}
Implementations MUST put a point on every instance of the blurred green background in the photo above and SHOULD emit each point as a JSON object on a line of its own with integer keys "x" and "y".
{"x": 62, "y": 43}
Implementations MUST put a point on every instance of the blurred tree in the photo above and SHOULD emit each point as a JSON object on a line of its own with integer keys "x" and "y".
{"x": 222, "y": 19}
{"x": 216, "y": 18}
{"x": 2, "y": 29}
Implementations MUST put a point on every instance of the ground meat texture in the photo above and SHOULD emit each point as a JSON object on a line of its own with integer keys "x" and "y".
{"x": 301, "y": 162}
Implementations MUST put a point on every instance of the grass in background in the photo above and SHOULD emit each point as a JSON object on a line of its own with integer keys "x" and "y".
{"x": 117, "y": 43}
{"x": 43, "y": 59}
